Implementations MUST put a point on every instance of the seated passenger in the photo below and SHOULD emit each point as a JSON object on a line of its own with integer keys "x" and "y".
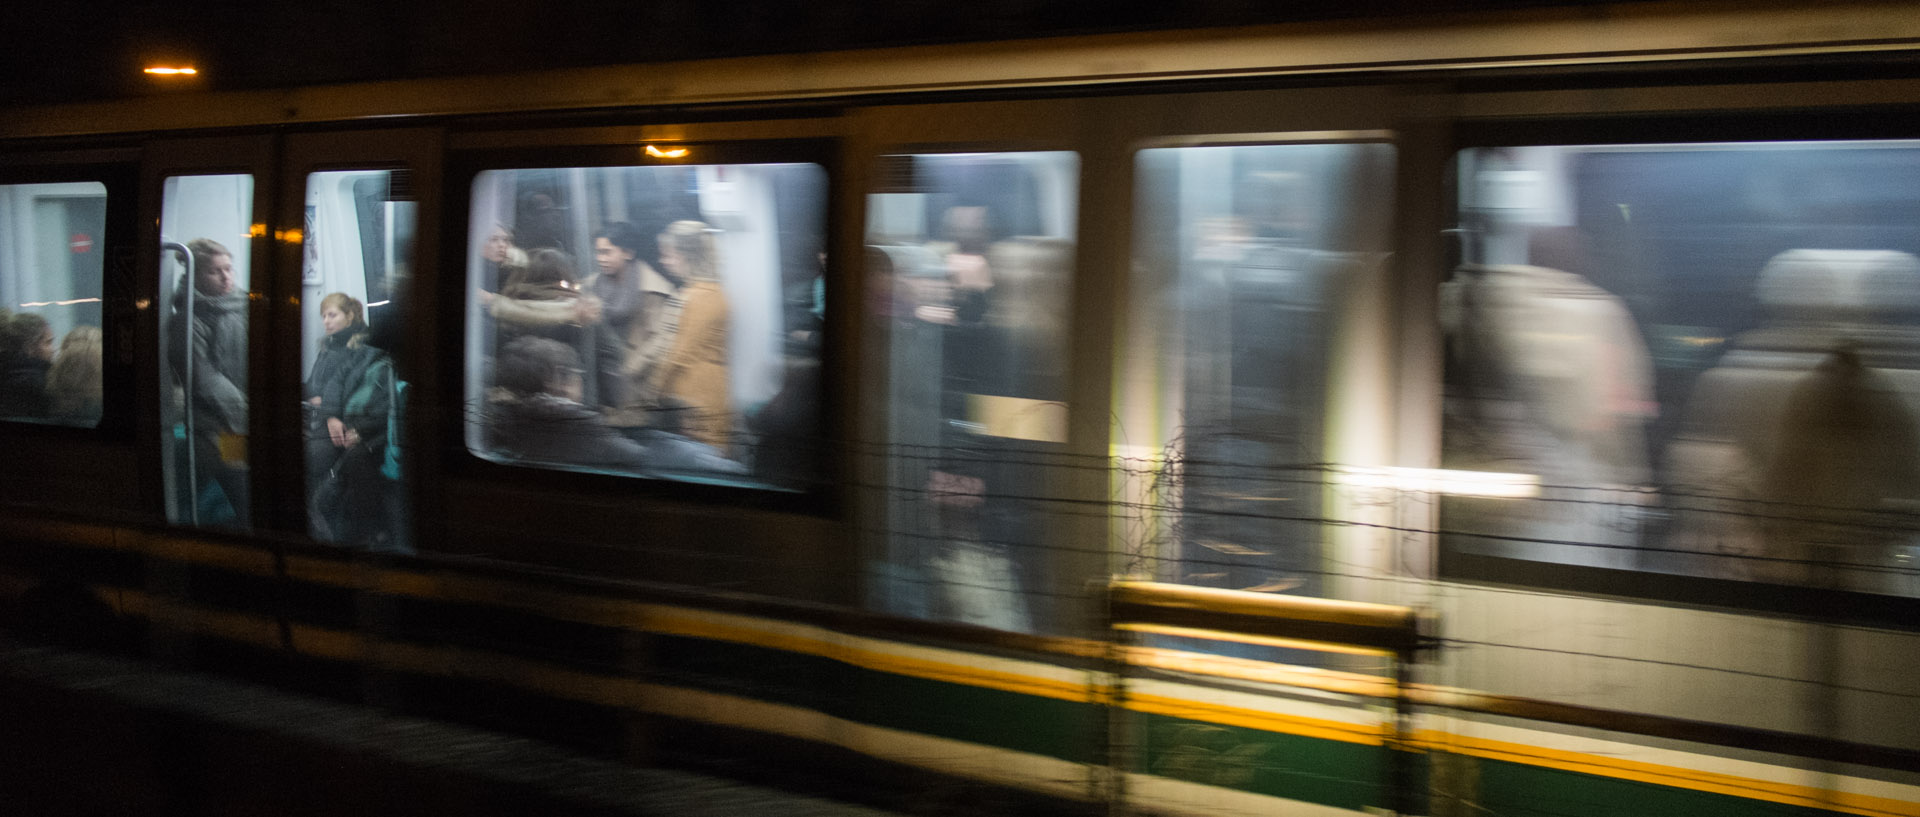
{"x": 26, "y": 352}
{"x": 535, "y": 411}
{"x": 344, "y": 365}
{"x": 74, "y": 381}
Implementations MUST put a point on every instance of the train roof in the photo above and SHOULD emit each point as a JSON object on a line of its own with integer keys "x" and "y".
{"x": 1631, "y": 34}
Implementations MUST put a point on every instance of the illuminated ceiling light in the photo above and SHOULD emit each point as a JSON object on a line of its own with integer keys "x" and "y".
{"x": 170, "y": 70}
{"x": 669, "y": 153}
{"x": 1442, "y": 481}
{"x": 36, "y": 304}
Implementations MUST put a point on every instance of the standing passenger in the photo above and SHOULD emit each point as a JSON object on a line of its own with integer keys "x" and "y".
{"x": 633, "y": 296}
{"x": 544, "y": 302}
{"x": 504, "y": 263}
{"x": 217, "y": 390}
{"x": 691, "y": 378}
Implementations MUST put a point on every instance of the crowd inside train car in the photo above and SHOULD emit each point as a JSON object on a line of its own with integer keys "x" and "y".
{"x": 651, "y": 351}
{"x": 38, "y": 383}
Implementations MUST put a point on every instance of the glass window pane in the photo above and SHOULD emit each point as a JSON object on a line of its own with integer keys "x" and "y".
{"x": 358, "y": 249}
{"x": 51, "y": 243}
{"x": 1241, "y": 257}
{"x": 206, "y": 234}
{"x": 1706, "y": 355}
{"x": 972, "y": 259}
{"x": 659, "y": 321}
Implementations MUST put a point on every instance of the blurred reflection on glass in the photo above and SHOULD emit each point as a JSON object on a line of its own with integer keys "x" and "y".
{"x": 50, "y": 281}
{"x": 969, "y": 268}
{"x": 1706, "y": 352}
{"x": 683, "y": 304}
{"x": 1243, "y": 255}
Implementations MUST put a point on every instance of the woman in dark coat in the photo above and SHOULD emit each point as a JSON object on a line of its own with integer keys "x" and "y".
{"x": 339, "y": 371}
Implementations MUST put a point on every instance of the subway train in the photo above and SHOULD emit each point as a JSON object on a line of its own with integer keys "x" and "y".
{"x": 1508, "y": 413}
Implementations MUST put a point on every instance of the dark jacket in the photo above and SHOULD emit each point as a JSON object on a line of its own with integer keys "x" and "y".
{"x": 549, "y": 429}
{"x": 337, "y": 372}
{"x": 219, "y": 387}
{"x": 23, "y": 387}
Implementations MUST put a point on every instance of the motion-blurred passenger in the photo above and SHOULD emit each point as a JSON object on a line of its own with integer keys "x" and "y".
{"x": 503, "y": 263}
{"x": 1811, "y": 416}
{"x": 26, "y": 352}
{"x": 544, "y": 302}
{"x": 633, "y": 298}
{"x": 690, "y": 385}
{"x": 216, "y": 381}
{"x": 74, "y": 381}
{"x": 536, "y": 413}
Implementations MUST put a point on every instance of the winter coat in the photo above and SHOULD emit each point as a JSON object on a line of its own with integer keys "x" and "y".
{"x": 547, "y": 428}
{"x": 693, "y": 375}
{"x": 23, "y": 388}
{"x": 219, "y": 379}
{"x": 337, "y": 372}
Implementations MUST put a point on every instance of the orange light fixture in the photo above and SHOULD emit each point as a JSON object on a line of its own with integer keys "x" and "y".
{"x": 669, "y": 153}
{"x": 170, "y": 70}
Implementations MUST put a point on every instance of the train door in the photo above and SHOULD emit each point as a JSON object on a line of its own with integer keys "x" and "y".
{"x": 974, "y": 252}
{"x": 67, "y": 325}
{"x": 348, "y": 261}
{"x": 1251, "y": 380}
{"x": 210, "y": 252}
{"x": 1244, "y": 256}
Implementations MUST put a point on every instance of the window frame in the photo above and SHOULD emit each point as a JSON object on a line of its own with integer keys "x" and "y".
{"x": 1680, "y": 129}
{"x": 821, "y": 496}
{"x": 119, "y": 286}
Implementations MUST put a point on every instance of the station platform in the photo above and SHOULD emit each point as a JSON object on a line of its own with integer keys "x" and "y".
{"x": 92, "y": 734}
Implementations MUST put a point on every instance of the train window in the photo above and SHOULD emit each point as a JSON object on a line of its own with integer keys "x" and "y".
{"x": 1242, "y": 256}
{"x": 660, "y": 321}
{"x": 971, "y": 257}
{"x": 1701, "y": 359}
{"x": 358, "y": 244}
{"x": 206, "y": 240}
{"x": 51, "y": 244}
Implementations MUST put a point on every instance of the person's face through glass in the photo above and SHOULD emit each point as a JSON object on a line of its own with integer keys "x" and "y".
{"x": 496, "y": 247}
{"x": 611, "y": 258}
{"x": 333, "y": 320}
{"x": 43, "y": 348}
{"x": 670, "y": 258}
{"x": 216, "y": 277}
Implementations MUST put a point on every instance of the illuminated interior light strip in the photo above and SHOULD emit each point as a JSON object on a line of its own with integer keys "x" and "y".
{"x": 669, "y": 153}
{"x": 1442, "y": 481}
{"x": 171, "y": 71}
{"x": 30, "y": 304}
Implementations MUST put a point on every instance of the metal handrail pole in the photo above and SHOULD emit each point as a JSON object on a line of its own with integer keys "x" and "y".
{"x": 186, "y": 379}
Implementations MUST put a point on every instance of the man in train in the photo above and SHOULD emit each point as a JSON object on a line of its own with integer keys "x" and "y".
{"x": 633, "y": 297}
{"x": 217, "y": 380}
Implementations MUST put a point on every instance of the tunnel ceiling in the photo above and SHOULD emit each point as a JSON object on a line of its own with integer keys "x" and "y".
{"x": 61, "y": 51}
